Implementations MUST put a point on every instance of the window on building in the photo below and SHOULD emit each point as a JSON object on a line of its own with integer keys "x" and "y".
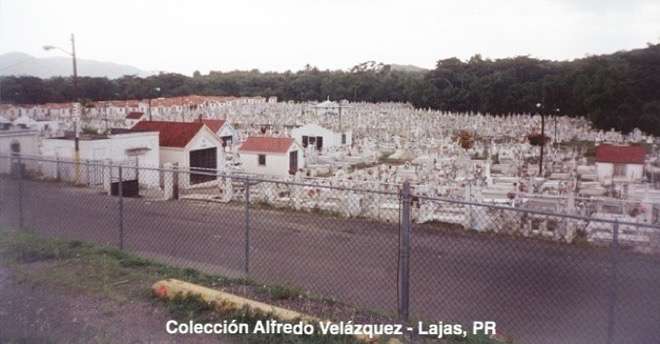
{"x": 343, "y": 139}
{"x": 15, "y": 147}
{"x": 262, "y": 160}
{"x": 619, "y": 170}
{"x": 312, "y": 140}
{"x": 305, "y": 141}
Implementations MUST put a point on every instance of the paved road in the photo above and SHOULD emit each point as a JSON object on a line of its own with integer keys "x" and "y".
{"x": 537, "y": 292}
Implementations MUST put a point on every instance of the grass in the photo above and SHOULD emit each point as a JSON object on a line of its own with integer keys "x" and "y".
{"x": 277, "y": 292}
{"x": 88, "y": 267}
{"x": 122, "y": 277}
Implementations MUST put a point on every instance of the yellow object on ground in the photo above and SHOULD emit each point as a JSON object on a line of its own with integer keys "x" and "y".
{"x": 172, "y": 287}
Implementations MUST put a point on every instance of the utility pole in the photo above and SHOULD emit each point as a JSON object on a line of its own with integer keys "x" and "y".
{"x": 76, "y": 99}
{"x": 105, "y": 117}
{"x": 75, "y": 68}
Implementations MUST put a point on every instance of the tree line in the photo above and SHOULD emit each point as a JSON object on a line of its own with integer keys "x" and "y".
{"x": 620, "y": 90}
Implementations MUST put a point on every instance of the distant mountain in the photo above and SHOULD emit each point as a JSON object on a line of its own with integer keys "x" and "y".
{"x": 16, "y": 63}
{"x": 408, "y": 68}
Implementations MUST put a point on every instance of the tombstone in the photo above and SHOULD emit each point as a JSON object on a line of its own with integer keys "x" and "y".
{"x": 227, "y": 189}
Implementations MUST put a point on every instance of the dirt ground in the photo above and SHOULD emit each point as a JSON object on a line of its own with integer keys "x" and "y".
{"x": 38, "y": 313}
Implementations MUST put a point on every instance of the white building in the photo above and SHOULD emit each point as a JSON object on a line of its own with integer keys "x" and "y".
{"x": 619, "y": 163}
{"x": 120, "y": 147}
{"x": 322, "y": 138}
{"x": 190, "y": 145}
{"x": 273, "y": 156}
{"x": 17, "y": 141}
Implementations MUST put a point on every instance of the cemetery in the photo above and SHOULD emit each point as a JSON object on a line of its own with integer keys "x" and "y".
{"x": 508, "y": 162}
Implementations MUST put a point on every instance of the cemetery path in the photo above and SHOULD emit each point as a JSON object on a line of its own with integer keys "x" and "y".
{"x": 538, "y": 292}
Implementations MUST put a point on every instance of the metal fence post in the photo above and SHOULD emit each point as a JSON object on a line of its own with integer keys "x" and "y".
{"x": 120, "y": 193}
{"x": 57, "y": 169}
{"x": 89, "y": 175}
{"x": 247, "y": 227}
{"x": 404, "y": 254}
{"x": 175, "y": 181}
{"x": 614, "y": 259}
{"x": 19, "y": 172}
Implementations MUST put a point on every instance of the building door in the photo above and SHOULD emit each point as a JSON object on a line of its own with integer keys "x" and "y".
{"x": 204, "y": 161}
{"x": 319, "y": 142}
{"x": 619, "y": 170}
{"x": 293, "y": 162}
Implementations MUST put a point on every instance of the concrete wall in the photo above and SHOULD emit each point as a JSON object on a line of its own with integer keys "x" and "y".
{"x": 177, "y": 156}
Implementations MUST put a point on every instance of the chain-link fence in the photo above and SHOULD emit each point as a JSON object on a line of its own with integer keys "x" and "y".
{"x": 543, "y": 277}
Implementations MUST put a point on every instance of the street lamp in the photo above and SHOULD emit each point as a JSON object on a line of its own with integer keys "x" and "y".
{"x": 72, "y": 53}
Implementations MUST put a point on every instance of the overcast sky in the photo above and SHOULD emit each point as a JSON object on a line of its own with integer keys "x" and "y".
{"x": 183, "y": 36}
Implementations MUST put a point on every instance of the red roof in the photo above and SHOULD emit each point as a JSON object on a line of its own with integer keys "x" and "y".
{"x": 214, "y": 124}
{"x": 172, "y": 134}
{"x": 266, "y": 144}
{"x": 134, "y": 115}
{"x": 620, "y": 154}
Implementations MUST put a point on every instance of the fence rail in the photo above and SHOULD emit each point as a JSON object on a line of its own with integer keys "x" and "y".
{"x": 543, "y": 277}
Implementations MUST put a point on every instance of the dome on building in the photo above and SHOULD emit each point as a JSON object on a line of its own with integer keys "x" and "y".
{"x": 327, "y": 104}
